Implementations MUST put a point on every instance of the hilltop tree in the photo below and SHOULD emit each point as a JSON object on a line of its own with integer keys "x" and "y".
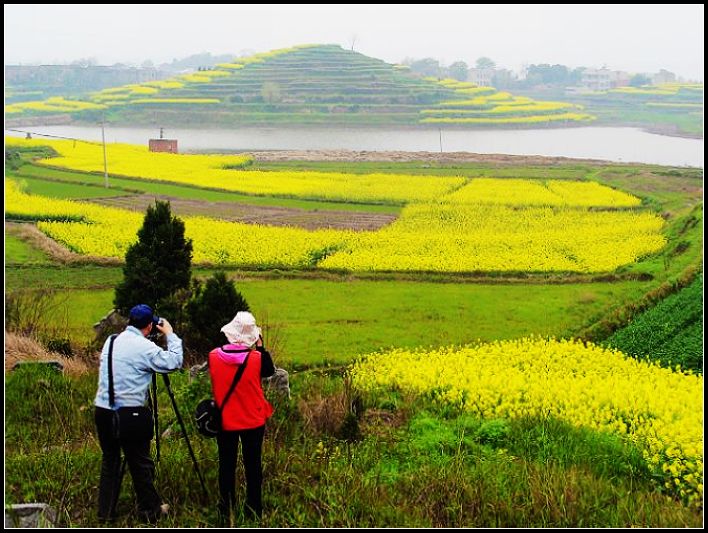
{"x": 158, "y": 266}
{"x": 458, "y": 70}
{"x": 485, "y": 62}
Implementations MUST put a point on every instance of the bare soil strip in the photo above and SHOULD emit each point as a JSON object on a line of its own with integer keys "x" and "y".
{"x": 253, "y": 214}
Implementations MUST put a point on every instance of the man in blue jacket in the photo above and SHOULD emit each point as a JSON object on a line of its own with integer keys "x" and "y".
{"x": 122, "y": 420}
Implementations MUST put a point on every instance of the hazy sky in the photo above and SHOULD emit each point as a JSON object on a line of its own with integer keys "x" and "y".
{"x": 642, "y": 38}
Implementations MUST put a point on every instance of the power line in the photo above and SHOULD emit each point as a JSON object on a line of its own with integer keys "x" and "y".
{"x": 53, "y": 136}
{"x": 75, "y": 139}
{"x": 103, "y": 137}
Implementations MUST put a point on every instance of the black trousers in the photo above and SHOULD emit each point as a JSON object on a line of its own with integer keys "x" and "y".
{"x": 252, "y": 444}
{"x": 140, "y": 463}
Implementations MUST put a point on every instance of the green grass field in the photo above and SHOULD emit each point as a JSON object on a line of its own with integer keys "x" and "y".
{"x": 60, "y": 189}
{"x": 18, "y": 252}
{"x": 319, "y": 322}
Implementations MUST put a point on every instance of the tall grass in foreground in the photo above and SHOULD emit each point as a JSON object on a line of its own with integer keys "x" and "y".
{"x": 411, "y": 466}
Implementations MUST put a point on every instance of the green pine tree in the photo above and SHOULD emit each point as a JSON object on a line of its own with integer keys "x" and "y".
{"x": 158, "y": 266}
{"x": 212, "y": 305}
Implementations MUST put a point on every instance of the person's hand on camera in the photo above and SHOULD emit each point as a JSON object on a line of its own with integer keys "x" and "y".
{"x": 164, "y": 327}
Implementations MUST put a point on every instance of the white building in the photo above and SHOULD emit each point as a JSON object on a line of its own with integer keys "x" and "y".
{"x": 602, "y": 79}
{"x": 481, "y": 76}
{"x": 663, "y": 76}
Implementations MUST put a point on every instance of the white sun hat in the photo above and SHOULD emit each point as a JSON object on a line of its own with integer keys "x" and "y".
{"x": 242, "y": 329}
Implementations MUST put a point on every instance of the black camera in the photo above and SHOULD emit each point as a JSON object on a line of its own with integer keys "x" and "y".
{"x": 154, "y": 332}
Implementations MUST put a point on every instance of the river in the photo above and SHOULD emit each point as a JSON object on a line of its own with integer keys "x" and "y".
{"x": 606, "y": 143}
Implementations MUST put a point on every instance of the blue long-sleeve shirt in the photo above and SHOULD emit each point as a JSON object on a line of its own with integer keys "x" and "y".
{"x": 135, "y": 358}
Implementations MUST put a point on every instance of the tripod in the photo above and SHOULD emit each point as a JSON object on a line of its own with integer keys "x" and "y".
{"x": 153, "y": 402}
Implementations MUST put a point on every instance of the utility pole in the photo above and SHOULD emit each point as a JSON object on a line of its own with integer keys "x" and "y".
{"x": 105, "y": 160}
{"x": 440, "y": 130}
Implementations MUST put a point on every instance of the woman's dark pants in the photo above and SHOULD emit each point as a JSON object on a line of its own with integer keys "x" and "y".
{"x": 252, "y": 444}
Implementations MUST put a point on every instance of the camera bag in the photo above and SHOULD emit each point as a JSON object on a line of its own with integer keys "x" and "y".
{"x": 129, "y": 423}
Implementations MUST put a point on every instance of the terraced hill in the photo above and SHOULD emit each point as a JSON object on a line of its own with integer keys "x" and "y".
{"x": 307, "y": 84}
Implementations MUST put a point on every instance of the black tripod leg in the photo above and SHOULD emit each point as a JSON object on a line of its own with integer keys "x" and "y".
{"x": 184, "y": 432}
{"x": 153, "y": 401}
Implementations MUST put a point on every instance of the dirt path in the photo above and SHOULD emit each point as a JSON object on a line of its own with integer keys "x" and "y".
{"x": 30, "y": 233}
{"x": 254, "y": 214}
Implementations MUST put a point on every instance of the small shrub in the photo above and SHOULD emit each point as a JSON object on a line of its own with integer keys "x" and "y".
{"x": 59, "y": 345}
{"x": 349, "y": 430}
{"x": 212, "y": 304}
{"x": 493, "y": 432}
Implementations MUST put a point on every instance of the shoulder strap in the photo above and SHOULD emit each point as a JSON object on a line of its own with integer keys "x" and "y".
{"x": 225, "y": 350}
{"x": 237, "y": 378}
{"x": 111, "y": 389}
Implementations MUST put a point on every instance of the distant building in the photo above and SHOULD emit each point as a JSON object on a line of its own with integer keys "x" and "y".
{"x": 663, "y": 76}
{"x": 595, "y": 79}
{"x": 503, "y": 78}
{"x": 602, "y": 79}
{"x": 481, "y": 76}
{"x": 162, "y": 144}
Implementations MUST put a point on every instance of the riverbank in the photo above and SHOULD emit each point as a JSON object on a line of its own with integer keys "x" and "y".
{"x": 666, "y": 130}
{"x": 621, "y": 145}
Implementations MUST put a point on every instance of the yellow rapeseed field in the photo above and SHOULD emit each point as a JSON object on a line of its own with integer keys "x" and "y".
{"x": 478, "y": 237}
{"x": 211, "y": 171}
{"x": 487, "y": 106}
{"x": 530, "y": 119}
{"x": 91, "y": 229}
{"x": 657, "y": 409}
{"x": 485, "y": 225}
{"x": 520, "y": 192}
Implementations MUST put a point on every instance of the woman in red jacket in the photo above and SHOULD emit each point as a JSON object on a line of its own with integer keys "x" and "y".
{"x": 245, "y": 412}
